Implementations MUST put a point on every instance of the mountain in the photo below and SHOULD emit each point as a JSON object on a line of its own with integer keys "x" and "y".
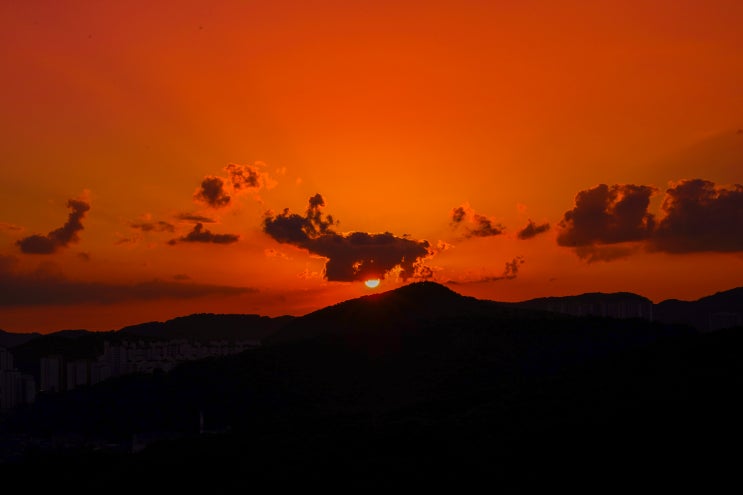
{"x": 713, "y": 312}
{"x": 203, "y": 327}
{"x": 717, "y": 311}
{"x": 615, "y": 305}
{"x": 28, "y": 349}
{"x": 411, "y": 305}
{"x": 418, "y": 385}
{"x": 10, "y": 339}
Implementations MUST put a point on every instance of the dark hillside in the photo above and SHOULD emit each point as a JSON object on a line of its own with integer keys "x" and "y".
{"x": 418, "y": 386}
{"x": 203, "y": 327}
{"x": 716, "y": 311}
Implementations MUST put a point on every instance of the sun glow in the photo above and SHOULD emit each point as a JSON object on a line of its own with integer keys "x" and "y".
{"x": 372, "y": 283}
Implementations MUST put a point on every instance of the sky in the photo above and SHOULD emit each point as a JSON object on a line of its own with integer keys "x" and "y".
{"x": 174, "y": 157}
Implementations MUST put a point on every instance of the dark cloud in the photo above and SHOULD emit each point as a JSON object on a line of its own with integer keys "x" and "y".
{"x": 159, "y": 226}
{"x": 354, "y": 256}
{"x": 512, "y": 268}
{"x": 458, "y": 215}
{"x": 592, "y": 254}
{"x": 700, "y": 216}
{"x": 476, "y": 225}
{"x": 532, "y": 230}
{"x": 200, "y": 234}
{"x": 608, "y": 223}
{"x": 46, "y": 286}
{"x": 218, "y": 192}
{"x": 244, "y": 176}
{"x": 212, "y": 192}
{"x": 608, "y": 215}
{"x": 61, "y": 237}
{"x": 189, "y": 217}
{"x": 292, "y": 228}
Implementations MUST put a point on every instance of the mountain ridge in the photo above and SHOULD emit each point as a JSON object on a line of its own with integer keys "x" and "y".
{"x": 695, "y": 312}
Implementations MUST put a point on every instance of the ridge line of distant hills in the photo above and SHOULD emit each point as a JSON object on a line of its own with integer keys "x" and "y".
{"x": 719, "y": 310}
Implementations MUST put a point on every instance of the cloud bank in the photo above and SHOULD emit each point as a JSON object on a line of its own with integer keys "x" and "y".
{"x": 46, "y": 286}
{"x": 611, "y": 222}
{"x": 700, "y": 216}
{"x": 608, "y": 215}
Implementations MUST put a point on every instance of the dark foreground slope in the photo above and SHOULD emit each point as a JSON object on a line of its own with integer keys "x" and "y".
{"x": 422, "y": 386}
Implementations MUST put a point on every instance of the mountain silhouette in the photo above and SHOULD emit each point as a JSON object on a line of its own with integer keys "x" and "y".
{"x": 714, "y": 312}
{"x": 10, "y": 339}
{"x": 414, "y": 304}
{"x": 418, "y": 384}
{"x": 626, "y": 304}
{"x": 717, "y": 311}
{"x": 203, "y": 327}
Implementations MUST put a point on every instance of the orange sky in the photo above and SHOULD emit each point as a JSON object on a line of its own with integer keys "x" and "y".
{"x": 432, "y": 131}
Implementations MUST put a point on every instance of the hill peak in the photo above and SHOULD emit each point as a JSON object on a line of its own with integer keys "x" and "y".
{"x": 423, "y": 291}
{"x": 426, "y": 287}
{"x": 406, "y": 306}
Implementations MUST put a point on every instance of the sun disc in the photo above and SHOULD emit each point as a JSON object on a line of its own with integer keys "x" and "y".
{"x": 372, "y": 283}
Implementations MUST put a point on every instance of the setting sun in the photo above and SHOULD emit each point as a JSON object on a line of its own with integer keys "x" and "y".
{"x": 372, "y": 283}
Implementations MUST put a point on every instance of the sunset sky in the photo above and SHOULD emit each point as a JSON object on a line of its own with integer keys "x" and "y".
{"x": 174, "y": 157}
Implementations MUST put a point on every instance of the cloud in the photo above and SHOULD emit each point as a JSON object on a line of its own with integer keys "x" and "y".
{"x": 159, "y": 226}
{"x": 512, "y": 268}
{"x": 592, "y": 254}
{"x": 700, "y": 217}
{"x": 218, "y": 192}
{"x": 353, "y": 256}
{"x": 248, "y": 177}
{"x": 10, "y": 226}
{"x": 46, "y": 286}
{"x": 189, "y": 217}
{"x": 200, "y": 234}
{"x": 476, "y": 225}
{"x": 608, "y": 215}
{"x": 532, "y": 230}
{"x": 510, "y": 272}
{"x": 212, "y": 192}
{"x": 609, "y": 223}
{"x": 61, "y": 237}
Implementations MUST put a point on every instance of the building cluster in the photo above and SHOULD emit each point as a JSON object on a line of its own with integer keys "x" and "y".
{"x": 59, "y": 374}
{"x": 16, "y": 388}
{"x": 610, "y": 309}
